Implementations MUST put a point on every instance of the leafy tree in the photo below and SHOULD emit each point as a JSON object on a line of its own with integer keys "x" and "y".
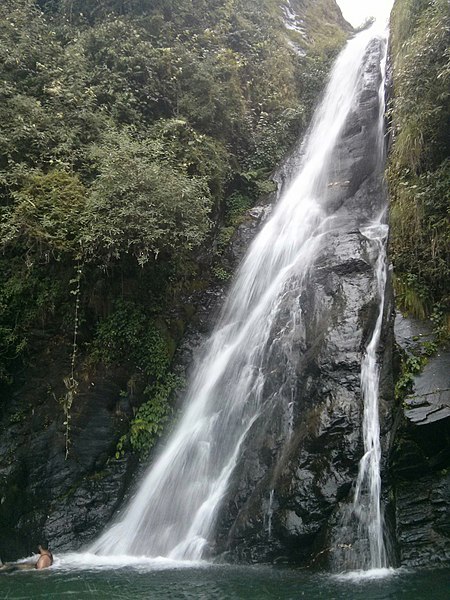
{"x": 141, "y": 205}
{"x": 46, "y": 214}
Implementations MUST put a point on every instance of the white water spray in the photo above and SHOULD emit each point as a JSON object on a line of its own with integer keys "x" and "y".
{"x": 175, "y": 509}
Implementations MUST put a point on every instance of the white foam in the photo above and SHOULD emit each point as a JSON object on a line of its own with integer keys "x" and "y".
{"x": 356, "y": 576}
{"x": 89, "y": 561}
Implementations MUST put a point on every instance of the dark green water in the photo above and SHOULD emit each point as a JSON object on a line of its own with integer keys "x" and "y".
{"x": 220, "y": 583}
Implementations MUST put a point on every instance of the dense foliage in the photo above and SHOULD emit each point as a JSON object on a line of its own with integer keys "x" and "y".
{"x": 419, "y": 169}
{"x": 124, "y": 126}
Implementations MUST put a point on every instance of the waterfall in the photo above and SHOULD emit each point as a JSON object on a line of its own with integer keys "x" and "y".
{"x": 367, "y": 503}
{"x": 368, "y": 552}
{"x": 269, "y": 515}
{"x": 367, "y": 500}
{"x": 174, "y": 511}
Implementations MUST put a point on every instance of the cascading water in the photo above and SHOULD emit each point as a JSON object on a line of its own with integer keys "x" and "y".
{"x": 269, "y": 515}
{"x": 366, "y": 508}
{"x": 367, "y": 503}
{"x": 175, "y": 509}
{"x": 359, "y": 540}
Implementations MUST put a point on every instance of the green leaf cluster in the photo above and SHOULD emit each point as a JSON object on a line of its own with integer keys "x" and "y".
{"x": 45, "y": 215}
{"x": 412, "y": 365}
{"x": 151, "y": 417}
{"x": 131, "y": 336}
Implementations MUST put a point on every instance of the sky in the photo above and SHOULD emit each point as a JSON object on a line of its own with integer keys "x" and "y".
{"x": 356, "y": 11}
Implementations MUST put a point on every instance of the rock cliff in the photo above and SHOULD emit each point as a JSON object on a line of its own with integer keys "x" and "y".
{"x": 301, "y": 461}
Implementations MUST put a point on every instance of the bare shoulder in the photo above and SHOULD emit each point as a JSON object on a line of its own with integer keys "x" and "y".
{"x": 44, "y": 561}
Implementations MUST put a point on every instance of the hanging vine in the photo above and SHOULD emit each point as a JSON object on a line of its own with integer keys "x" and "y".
{"x": 70, "y": 382}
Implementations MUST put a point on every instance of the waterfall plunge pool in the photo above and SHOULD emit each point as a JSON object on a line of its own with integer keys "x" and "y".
{"x": 84, "y": 576}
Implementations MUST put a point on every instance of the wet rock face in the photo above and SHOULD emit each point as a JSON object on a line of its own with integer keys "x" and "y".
{"x": 299, "y": 465}
{"x": 302, "y": 455}
{"x": 421, "y": 473}
{"x": 420, "y": 464}
{"x": 44, "y": 496}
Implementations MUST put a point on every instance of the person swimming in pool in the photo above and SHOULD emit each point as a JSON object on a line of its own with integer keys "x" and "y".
{"x": 44, "y": 561}
{"x": 46, "y": 558}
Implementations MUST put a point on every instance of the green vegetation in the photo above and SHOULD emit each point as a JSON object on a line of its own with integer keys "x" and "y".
{"x": 410, "y": 366}
{"x": 148, "y": 423}
{"x": 134, "y": 134}
{"x": 128, "y": 334}
{"x": 419, "y": 166}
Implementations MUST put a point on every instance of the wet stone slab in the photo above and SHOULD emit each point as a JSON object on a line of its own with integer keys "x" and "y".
{"x": 431, "y": 399}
